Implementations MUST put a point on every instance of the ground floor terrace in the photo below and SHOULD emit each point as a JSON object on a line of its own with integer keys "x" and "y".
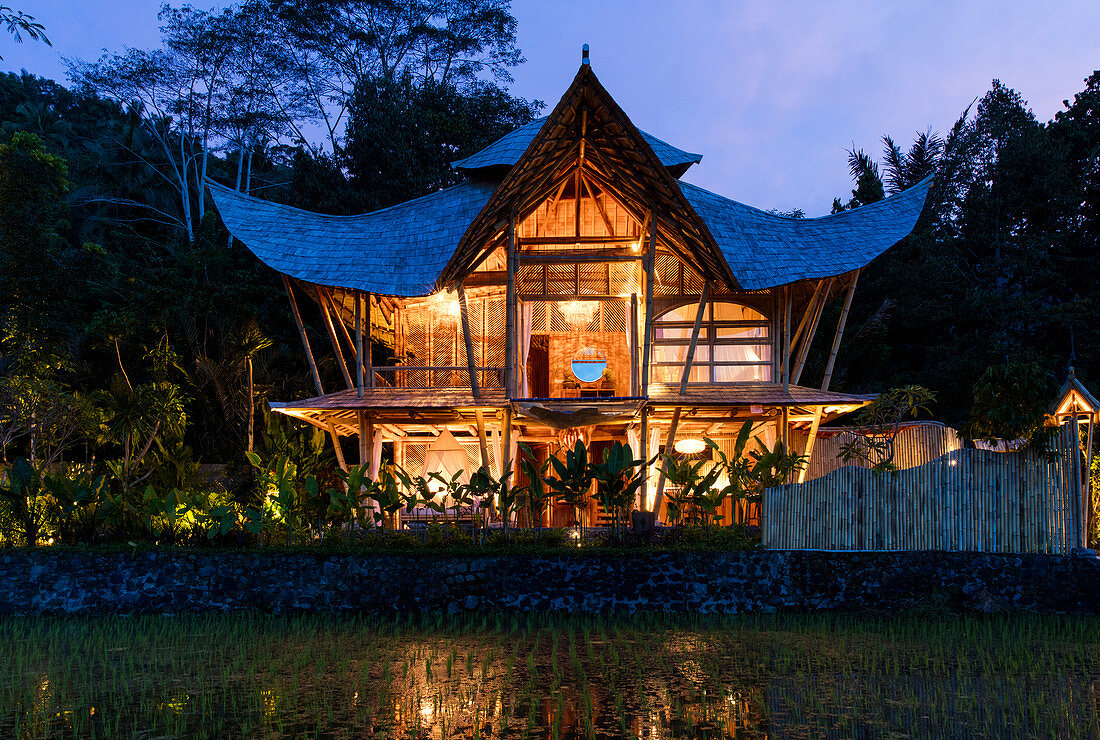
{"x": 452, "y": 430}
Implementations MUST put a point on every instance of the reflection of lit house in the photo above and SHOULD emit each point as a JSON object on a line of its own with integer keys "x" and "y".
{"x": 571, "y": 287}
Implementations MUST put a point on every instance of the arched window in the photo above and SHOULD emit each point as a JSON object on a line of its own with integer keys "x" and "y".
{"x": 734, "y": 345}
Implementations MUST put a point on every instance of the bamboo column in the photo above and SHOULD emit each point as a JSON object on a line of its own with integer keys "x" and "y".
{"x": 805, "y": 342}
{"x": 365, "y": 358}
{"x": 471, "y": 361}
{"x": 481, "y": 439}
{"x": 649, "y": 268}
{"x": 635, "y": 371}
{"x": 359, "y": 347}
{"x": 786, "y": 338}
{"x": 670, "y": 440}
{"x": 839, "y": 331}
{"x": 302, "y": 334}
{"x": 332, "y": 337}
{"x": 510, "y": 310}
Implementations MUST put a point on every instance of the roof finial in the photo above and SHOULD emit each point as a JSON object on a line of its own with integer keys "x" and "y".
{"x": 584, "y": 54}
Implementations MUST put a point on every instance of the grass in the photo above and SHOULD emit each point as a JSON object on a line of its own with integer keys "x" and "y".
{"x": 549, "y": 676}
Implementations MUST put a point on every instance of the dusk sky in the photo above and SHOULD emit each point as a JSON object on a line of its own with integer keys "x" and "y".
{"x": 771, "y": 93}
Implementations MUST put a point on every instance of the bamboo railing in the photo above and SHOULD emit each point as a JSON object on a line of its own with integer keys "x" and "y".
{"x": 967, "y": 499}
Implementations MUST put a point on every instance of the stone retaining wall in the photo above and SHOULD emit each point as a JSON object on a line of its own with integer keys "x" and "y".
{"x": 65, "y": 582}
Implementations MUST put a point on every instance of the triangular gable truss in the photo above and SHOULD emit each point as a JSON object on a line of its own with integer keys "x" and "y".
{"x": 588, "y": 130}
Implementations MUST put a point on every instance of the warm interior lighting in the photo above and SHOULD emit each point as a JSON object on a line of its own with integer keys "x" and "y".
{"x": 578, "y": 313}
{"x": 445, "y": 305}
{"x": 689, "y": 446}
{"x": 637, "y": 246}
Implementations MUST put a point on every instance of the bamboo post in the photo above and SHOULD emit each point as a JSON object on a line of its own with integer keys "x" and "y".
{"x": 506, "y": 447}
{"x": 359, "y": 347}
{"x": 332, "y": 336}
{"x": 649, "y": 269}
{"x": 510, "y": 310}
{"x": 690, "y": 359}
{"x": 786, "y": 348}
{"x": 811, "y": 331}
{"x": 331, "y": 302}
{"x": 807, "y": 313}
{"x": 481, "y": 439}
{"x": 635, "y": 371}
{"x": 364, "y": 437}
{"x": 644, "y": 443}
{"x": 302, "y": 334}
{"x": 670, "y": 440}
{"x": 1087, "y": 495}
{"x": 367, "y": 360}
{"x": 810, "y": 443}
{"x": 339, "y": 450}
{"x": 467, "y": 339}
{"x": 839, "y": 332}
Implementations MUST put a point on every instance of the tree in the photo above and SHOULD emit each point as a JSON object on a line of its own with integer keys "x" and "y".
{"x": 33, "y": 184}
{"x": 403, "y": 134}
{"x": 18, "y": 23}
{"x": 319, "y": 52}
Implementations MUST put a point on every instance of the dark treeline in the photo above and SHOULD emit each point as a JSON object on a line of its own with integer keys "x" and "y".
{"x": 985, "y": 302}
{"x": 130, "y": 323}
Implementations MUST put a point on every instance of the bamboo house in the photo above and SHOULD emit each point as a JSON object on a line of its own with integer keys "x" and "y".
{"x": 572, "y": 287}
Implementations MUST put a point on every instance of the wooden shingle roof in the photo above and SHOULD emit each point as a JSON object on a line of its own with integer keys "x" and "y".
{"x": 398, "y": 250}
{"x": 765, "y": 250}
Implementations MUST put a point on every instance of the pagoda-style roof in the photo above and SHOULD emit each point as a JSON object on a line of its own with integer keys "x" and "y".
{"x": 507, "y": 150}
{"x": 433, "y": 242}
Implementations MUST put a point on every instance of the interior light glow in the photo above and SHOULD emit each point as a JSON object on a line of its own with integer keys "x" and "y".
{"x": 689, "y": 446}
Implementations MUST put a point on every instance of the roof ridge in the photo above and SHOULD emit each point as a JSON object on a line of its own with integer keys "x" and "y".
{"x": 924, "y": 182}
{"x": 295, "y": 209}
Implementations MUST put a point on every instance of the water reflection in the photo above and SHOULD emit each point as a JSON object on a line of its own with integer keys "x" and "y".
{"x": 562, "y": 683}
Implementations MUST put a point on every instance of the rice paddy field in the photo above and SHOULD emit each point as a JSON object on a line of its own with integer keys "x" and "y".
{"x": 647, "y": 677}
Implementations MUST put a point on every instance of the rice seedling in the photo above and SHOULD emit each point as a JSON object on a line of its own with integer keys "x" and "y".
{"x": 195, "y": 676}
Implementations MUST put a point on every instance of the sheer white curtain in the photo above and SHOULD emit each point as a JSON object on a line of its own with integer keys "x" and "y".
{"x": 525, "y": 346}
{"x": 629, "y": 313}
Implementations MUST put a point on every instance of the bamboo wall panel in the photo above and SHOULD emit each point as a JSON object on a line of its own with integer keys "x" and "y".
{"x": 966, "y": 499}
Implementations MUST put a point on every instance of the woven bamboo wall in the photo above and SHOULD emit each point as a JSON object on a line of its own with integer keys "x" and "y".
{"x": 967, "y": 499}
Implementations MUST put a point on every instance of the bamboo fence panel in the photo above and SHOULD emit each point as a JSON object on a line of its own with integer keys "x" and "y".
{"x": 966, "y": 499}
{"x": 916, "y": 444}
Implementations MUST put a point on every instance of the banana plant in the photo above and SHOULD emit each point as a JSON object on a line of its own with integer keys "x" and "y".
{"x": 386, "y": 492}
{"x": 618, "y": 479}
{"x": 486, "y": 490}
{"x": 454, "y": 490}
{"x": 574, "y": 479}
{"x": 535, "y": 495}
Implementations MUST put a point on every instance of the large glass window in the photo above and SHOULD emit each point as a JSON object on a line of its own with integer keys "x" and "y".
{"x": 734, "y": 345}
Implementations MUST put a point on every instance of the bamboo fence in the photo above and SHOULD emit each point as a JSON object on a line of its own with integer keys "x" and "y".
{"x": 916, "y": 444}
{"x": 967, "y": 499}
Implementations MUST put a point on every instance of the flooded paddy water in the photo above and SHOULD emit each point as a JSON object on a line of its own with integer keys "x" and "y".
{"x": 646, "y": 677}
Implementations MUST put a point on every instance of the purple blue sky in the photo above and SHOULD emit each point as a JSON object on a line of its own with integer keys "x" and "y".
{"x": 771, "y": 93}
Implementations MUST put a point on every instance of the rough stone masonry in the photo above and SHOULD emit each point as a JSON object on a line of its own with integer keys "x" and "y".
{"x": 171, "y": 582}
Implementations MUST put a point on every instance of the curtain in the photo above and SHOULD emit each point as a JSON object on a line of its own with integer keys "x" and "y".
{"x": 628, "y": 311}
{"x": 525, "y": 347}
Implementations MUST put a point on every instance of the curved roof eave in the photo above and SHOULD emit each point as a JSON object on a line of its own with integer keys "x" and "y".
{"x": 397, "y": 251}
{"x": 765, "y": 250}
{"x": 506, "y": 151}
